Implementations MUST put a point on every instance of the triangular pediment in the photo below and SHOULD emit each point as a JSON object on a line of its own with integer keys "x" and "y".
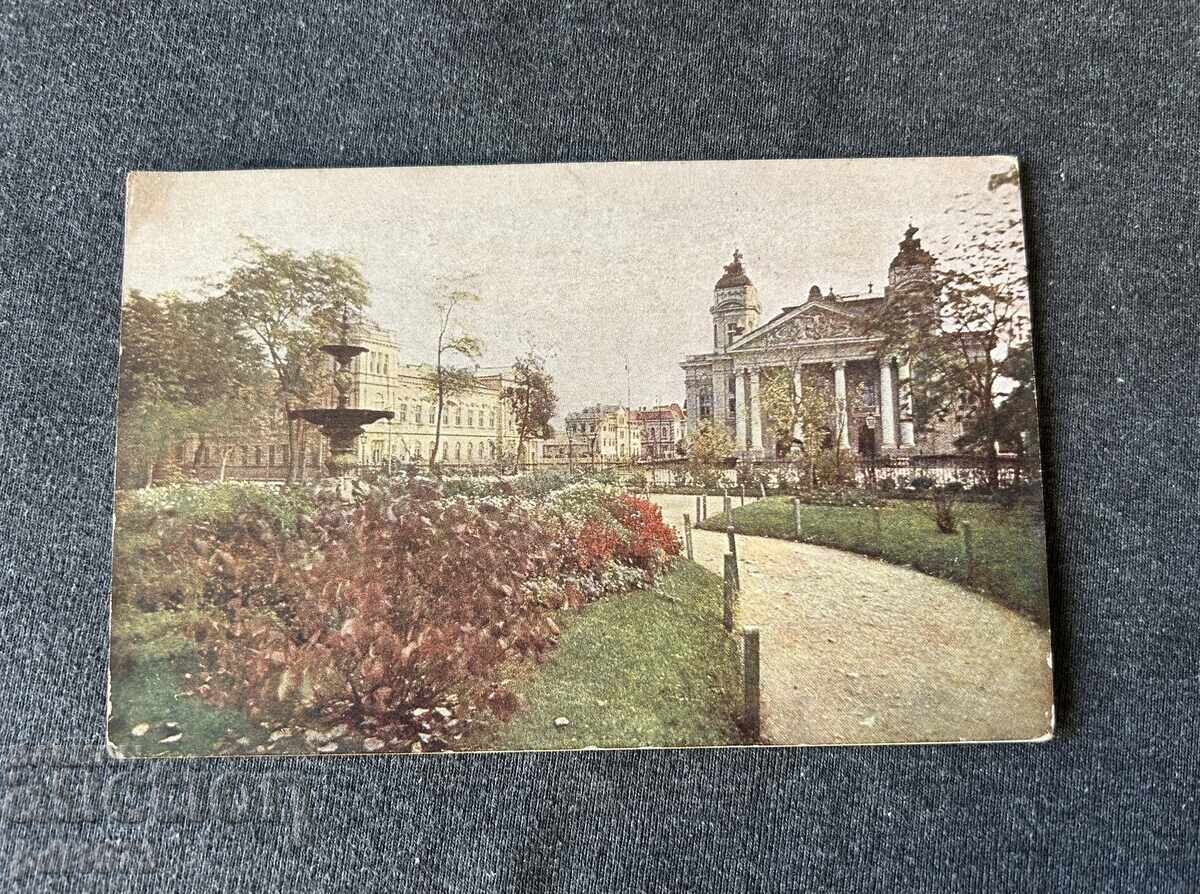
{"x": 811, "y": 321}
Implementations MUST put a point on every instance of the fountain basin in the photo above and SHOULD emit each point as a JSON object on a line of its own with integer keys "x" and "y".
{"x": 342, "y": 426}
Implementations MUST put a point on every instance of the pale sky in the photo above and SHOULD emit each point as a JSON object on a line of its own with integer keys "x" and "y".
{"x": 593, "y": 265}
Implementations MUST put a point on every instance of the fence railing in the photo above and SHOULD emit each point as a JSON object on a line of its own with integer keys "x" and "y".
{"x": 901, "y": 471}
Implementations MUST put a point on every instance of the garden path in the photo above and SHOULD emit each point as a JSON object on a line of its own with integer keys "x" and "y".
{"x": 858, "y": 650}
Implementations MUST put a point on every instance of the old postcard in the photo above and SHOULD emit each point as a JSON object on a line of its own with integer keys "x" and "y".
{"x": 574, "y": 456}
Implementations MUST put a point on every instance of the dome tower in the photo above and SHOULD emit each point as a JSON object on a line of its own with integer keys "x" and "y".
{"x": 912, "y": 268}
{"x": 735, "y": 309}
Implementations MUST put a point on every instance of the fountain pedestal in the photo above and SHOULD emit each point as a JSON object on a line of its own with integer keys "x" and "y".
{"x": 342, "y": 425}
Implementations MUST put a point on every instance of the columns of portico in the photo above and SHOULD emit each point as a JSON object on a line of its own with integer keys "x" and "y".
{"x": 739, "y": 408}
{"x": 797, "y": 394}
{"x": 720, "y": 389}
{"x": 906, "y": 404}
{"x": 839, "y": 392}
{"x": 887, "y": 415}
{"x": 756, "y": 432}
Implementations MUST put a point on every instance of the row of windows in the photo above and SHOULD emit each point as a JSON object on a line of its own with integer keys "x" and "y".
{"x": 470, "y": 452}
{"x": 375, "y": 362}
{"x": 270, "y": 455}
{"x": 423, "y": 414}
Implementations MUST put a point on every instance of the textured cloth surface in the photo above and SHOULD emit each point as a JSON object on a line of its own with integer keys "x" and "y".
{"x": 1099, "y": 100}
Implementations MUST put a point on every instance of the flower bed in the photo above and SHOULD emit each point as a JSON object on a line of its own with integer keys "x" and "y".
{"x": 388, "y": 622}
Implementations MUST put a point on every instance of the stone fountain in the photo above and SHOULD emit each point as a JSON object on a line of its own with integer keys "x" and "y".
{"x": 343, "y": 424}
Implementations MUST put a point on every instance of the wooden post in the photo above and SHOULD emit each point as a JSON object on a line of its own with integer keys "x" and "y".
{"x": 878, "y": 530}
{"x": 687, "y": 535}
{"x": 751, "y": 716}
{"x": 762, "y": 489}
{"x": 968, "y": 549}
{"x": 796, "y": 516}
{"x": 737, "y": 577}
{"x": 704, "y": 506}
{"x": 743, "y": 495}
{"x": 729, "y": 592}
{"x": 699, "y": 517}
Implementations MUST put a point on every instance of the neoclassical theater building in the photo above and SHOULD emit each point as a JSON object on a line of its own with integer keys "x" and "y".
{"x": 819, "y": 339}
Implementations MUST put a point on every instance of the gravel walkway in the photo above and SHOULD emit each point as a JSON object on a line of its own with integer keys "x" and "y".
{"x": 859, "y": 650}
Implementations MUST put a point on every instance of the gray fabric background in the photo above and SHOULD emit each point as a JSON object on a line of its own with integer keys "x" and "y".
{"x": 1100, "y": 101}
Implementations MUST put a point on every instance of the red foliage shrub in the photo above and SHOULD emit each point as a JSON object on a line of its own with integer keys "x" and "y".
{"x": 650, "y": 542}
{"x": 397, "y": 621}
{"x": 597, "y": 544}
{"x": 397, "y": 616}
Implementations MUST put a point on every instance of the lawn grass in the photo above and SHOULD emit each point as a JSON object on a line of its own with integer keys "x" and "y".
{"x": 150, "y": 691}
{"x": 1009, "y": 542}
{"x": 646, "y": 668}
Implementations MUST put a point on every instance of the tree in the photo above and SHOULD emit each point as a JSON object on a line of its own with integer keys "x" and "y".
{"x": 1015, "y": 421}
{"x": 531, "y": 399}
{"x": 182, "y": 361}
{"x": 450, "y": 380}
{"x": 808, "y": 418}
{"x": 958, "y": 331}
{"x": 707, "y": 447}
{"x": 292, "y": 304}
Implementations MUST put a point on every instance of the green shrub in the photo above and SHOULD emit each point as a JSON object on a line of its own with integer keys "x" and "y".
{"x": 169, "y": 542}
{"x": 213, "y": 505}
{"x": 150, "y": 636}
{"x": 922, "y": 482}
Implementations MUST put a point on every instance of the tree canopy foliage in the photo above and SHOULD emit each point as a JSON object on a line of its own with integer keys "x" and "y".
{"x": 292, "y": 304}
{"x": 975, "y": 312}
{"x": 531, "y": 399}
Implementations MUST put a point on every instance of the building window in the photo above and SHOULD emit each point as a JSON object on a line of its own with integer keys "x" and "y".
{"x": 258, "y": 456}
{"x": 470, "y": 418}
{"x": 706, "y": 402}
{"x": 492, "y": 419}
{"x": 402, "y": 412}
{"x": 458, "y": 417}
{"x": 470, "y": 453}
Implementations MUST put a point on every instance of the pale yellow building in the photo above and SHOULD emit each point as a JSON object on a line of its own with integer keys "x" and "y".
{"x": 477, "y": 427}
{"x": 613, "y": 433}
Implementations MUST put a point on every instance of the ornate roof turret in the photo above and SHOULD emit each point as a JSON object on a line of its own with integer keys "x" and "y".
{"x": 912, "y": 268}
{"x": 911, "y": 254}
{"x": 735, "y": 274}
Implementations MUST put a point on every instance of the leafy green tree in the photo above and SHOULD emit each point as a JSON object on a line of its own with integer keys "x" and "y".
{"x": 292, "y": 304}
{"x": 449, "y": 379}
{"x": 531, "y": 399}
{"x": 808, "y": 420}
{"x": 976, "y": 309}
{"x": 183, "y": 362}
{"x": 708, "y": 448}
{"x": 1015, "y": 420}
